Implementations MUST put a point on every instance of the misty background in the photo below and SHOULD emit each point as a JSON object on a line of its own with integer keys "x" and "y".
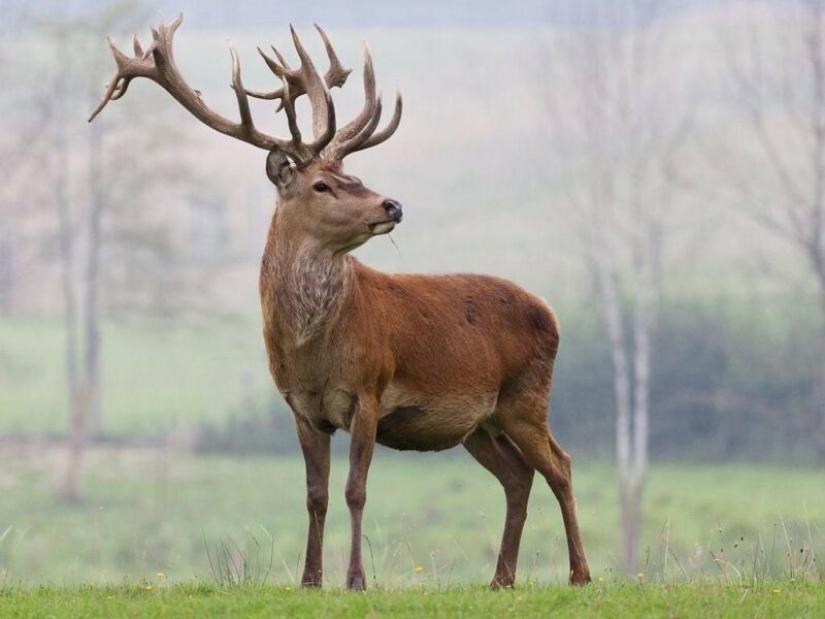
{"x": 655, "y": 170}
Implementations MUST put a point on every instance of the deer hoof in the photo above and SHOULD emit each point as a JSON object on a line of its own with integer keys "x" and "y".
{"x": 501, "y": 583}
{"x": 356, "y": 582}
{"x": 580, "y": 578}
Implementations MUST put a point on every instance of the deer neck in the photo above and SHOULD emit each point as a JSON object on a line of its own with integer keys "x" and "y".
{"x": 303, "y": 286}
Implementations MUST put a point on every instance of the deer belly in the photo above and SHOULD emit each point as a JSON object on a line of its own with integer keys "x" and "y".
{"x": 423, "y": 422}
{"x": 325, "y": 411}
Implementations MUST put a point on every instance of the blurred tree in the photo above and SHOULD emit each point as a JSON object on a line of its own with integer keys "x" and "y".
{"x": 24, "y": 112}
{"x": 776, "y": 65}
{"x": 99, "y": 187}
{"x": 6, "y": 233}
{"x": 618, "y": 126}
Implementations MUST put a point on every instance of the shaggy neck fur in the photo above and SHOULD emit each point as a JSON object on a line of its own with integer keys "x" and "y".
{"x": 309, "y": 286}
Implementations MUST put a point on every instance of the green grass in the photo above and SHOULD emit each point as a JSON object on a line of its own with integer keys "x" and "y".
{"x": 432, "y": 519}
{"x": 155, "y": 377}
{"x": 707, "y": 600}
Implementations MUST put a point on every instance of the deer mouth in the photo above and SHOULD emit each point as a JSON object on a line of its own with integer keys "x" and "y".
{"x": 382, "y": 227}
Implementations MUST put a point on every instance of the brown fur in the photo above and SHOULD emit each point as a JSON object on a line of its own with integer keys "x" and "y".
{"x": 415, "y": 362}
{"x": 411, "y": 361}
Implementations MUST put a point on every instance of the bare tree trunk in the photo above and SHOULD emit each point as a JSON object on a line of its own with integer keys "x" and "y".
{"x": 77, "y": 445}
{"x": 92, "y": 283}
{"x": 817, "y": 213}
{"x": 631, "y": 385}
{"x": 630, "y": 520}
{"x": 819, "y": 378}
{"x": 815, "y": 250}
{"x": 643, "y": 322}
{"x": 66, "y": 244}
{"x": 624, "y": 132}
{"x": 86, "y": 417}
{"x": 641, "y": 375}
{"x": 819, "y": 438}
{"x": 612, "y": 316}
{"x": 627, "y": 458}
{"x": 7, "y": 270}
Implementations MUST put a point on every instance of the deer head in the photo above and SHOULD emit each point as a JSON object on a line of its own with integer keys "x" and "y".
{"x": 318, "y": 203}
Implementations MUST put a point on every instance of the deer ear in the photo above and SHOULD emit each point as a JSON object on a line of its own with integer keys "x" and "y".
{"x": 279, "y": 169}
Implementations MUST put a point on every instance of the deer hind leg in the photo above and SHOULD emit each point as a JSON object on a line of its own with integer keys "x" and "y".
{"x": 529, "y": 430}
{"x": 501, "y": 457}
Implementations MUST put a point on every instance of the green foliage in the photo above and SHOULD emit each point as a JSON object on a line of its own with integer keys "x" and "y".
{"x": 732, "y": 379}
{"x": 581, "y": 407}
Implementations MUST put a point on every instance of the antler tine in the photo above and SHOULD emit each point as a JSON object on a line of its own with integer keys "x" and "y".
{"x": 240, "y": 94}
{"x": 386, "y": 132}
{"x": 137, "y": 47}
{"x": 156, "y": 62}
{"x": 336, "y": 75}
{"x": 292, "y": 120}
{"x": 305, "y": 80}
{"x": 366, "y": 132}
{"x": 281, "y": 59}
{"x": 323, "y": 112}
{"x": 292, "y": 81}
{"x": 296, "y": 148}
{"x": 342, "y": 141}
{"x": 279, "y": 71}
{"x": 127, "y": 69}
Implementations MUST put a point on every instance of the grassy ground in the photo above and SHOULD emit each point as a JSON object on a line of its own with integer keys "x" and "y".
{"x": 735, "y": 540}
{"x": 431, "y": 519}
{"x": 707, "y": 600}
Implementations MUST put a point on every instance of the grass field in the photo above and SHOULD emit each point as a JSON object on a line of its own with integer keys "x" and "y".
{"x": 707, "y": 600}
{"x": 156, "y": 376}
{"x": 167, "y": 533}
{"x": 431, "y": 520}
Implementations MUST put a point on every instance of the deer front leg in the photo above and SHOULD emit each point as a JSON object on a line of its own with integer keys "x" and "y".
{"x": 362, "y": 430}
{"x": 315, "y": 446}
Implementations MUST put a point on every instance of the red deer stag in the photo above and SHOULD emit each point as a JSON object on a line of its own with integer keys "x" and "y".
{"x": 414, "y": 362}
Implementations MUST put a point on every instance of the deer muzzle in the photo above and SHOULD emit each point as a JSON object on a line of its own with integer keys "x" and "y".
{"x": 393, "y": 209}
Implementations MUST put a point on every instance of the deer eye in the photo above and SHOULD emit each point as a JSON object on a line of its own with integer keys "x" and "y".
{"x": 320, "y": 187}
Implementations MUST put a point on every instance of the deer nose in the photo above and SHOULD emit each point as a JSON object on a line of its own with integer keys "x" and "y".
{"x": 393, "y": 209}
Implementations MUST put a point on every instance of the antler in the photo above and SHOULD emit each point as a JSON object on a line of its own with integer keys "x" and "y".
{"x": 306, "y": 80}
{"x": 358, "y": 134}
{"x": 336, "y": 75}
{"x": 157, "y": 63}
